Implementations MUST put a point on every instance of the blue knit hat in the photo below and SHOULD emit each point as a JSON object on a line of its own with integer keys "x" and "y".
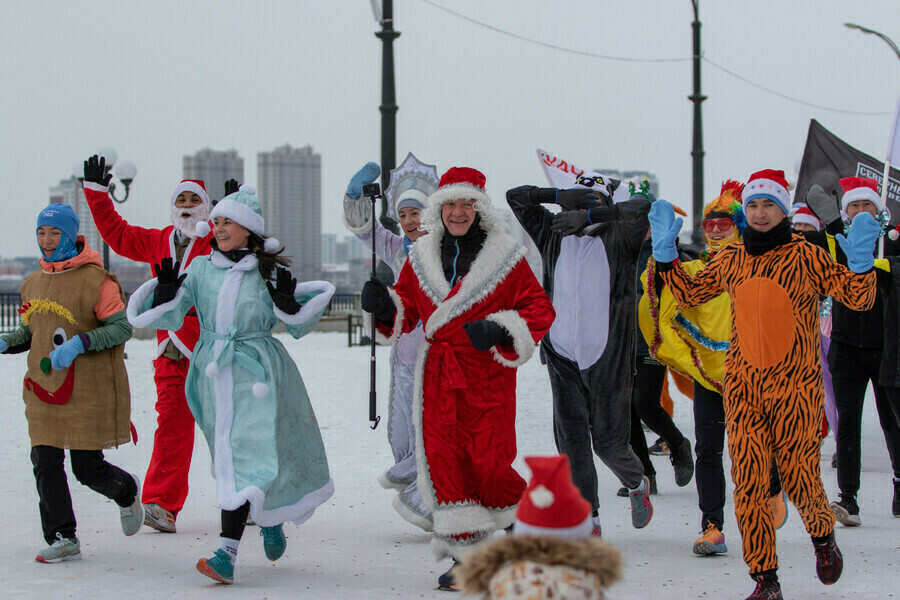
{"x": 61, "y": 216}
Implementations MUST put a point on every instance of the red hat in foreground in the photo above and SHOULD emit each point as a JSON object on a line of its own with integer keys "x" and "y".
{"x": 551, "y": 504}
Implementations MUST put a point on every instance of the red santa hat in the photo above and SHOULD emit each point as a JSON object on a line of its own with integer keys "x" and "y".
{"x": 770, "y": 184}
{"x": 859, "y": 188}
{"x": 461, "y": 182}
{"x": 195, "y": 186}
{"x": 802, "y": 214}
{"x": 551, "y": 504}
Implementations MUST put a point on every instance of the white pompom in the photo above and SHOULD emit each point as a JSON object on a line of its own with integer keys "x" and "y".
{"x": 271, "y": 245}
{"x": 250, "y": 189}
{"x": 260, "y": 390}
{"x": 541, "y": 497}
{"x": 202, "y": 228}
{"x": 893, "y": 234}
{"x": 212, "y": 370}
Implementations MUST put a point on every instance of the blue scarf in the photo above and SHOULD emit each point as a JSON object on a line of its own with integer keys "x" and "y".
{"x": 407, "y": 244}
{"x": 64, "y": 251}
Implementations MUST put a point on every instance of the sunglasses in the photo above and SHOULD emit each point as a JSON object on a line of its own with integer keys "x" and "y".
{"x": 589, "y": 181}
{"x": 720, "y": 224}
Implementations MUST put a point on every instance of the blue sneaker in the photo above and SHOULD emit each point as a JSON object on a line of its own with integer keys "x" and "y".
{"x": 219, "y": 567}
{"x": 274, "y": 541}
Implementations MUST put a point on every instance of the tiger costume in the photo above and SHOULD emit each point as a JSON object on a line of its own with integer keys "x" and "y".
{"x": 773, "y": 381}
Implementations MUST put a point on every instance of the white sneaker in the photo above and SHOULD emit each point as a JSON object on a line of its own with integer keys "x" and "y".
{"x": 158, "y": 518}
{"x": 132, "y": 517}
{"x": 60, "y": 550}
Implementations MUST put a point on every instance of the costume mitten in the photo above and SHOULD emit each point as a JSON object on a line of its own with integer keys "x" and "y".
{"x": 483, "y": 334}
{"x": 822, "y": 205}
{"x": 376, "y": 299}
{"x": 859, "y": 245}
{"x": 664, "y": 228}
{"x": 167, "y": 281}
{"x": 3, "y": 346}
{"x": 283, "y": 292}
{"x": 62, "y": 357}
{"x": 368, "y": 174}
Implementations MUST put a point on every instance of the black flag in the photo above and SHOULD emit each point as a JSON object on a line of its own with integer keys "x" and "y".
{"x": 827, "y": 158}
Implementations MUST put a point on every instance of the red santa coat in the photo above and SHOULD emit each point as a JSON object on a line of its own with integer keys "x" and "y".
{"x": 149, "y": 246}
{"x": 464, "y": 399}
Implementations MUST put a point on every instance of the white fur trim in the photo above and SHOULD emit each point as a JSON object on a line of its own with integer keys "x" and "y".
{"x": 250, "y": 189}
{"x": 457, "y": 191}
{"x": 893, "y": 234}
{"x": 299, "y": 512}
{"x": 308, "y": 310}
{"x": 504, "y": 517}
{"x": 239, "y": 213}
{"x": 860, "y": 193}
{"x": 411, "y": 516}
{"x": 90, "y": 185}
{"x": 202, "y": 228}
{"x": 140, "y": 296}
{"x": 397, "y": 330}
{"x": 411, "y": 197}
{"x": 182, "y": 347}
{"x": 260, "y": 390}
{"x": 541, "y": 497}
{"x": 450, "y": 519}
{"x": 387, "y": 484}
{"x": 190, "y": 186}
{"x": 361, "y": 230}
{"x": 580, "y": 531}
{"x": 523, "y": 342}
{"x": 766, "y": 188}
{"x": 446, "y": 547}
{"x": 212, "y": 370}
{"x": 808, "y": 219}
{"x": 271, "y": 245}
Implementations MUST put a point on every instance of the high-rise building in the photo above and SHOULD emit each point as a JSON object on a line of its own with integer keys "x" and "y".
{"x": 214, "y": 167}
{"x": 69, "y": 191}
{"x": 290, "y": 191}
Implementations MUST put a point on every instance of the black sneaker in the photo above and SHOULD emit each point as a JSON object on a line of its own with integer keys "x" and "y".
{"x": 767, "y": 587}
{"x": 447, "y": 581}
{"x": 846, "y": 511}
{"x": 683, "y": 462}
{"x": 895, "y": 505}
{"x": 623, "y": 491}
{"x": 829, "y": 561}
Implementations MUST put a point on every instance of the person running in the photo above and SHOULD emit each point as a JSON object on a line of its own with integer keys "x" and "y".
{"x": 76, "y": 391}
{"x": 243, "y": 388}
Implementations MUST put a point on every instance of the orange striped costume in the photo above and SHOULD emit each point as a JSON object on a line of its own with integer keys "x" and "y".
{"x": 773, "y": 381}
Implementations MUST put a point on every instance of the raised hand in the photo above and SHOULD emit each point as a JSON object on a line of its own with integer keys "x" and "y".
{"x": 231, "y": 186}
{"x": 95, "y": 171}
{"x": 578, "y": 198}
{"x": 568, "y": 222}
{"x": 664, "y": 228}
{"x": 822, "y": 205}
{"x": 167, "y": 281}
{"x": 859, "y": 245}
{"x": 282, "y": 292}
{"x": 364, "y": 176}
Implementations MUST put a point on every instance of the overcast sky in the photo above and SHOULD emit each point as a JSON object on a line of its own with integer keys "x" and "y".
{"x": 159, "y": 80}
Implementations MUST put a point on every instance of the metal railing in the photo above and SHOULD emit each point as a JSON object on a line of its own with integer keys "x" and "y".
{"x": 9, "y": 316}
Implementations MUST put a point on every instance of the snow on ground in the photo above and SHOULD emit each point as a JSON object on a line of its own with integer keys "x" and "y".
{"x": 356, "y": 547}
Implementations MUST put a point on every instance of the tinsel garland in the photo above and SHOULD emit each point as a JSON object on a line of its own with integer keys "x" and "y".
{"x": 695, "y": 357}
{"x": 825, "y": 306}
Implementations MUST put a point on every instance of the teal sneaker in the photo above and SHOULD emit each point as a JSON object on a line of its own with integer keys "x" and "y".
{"x": 274, "y": 541}
{"x": 219, "y": 567}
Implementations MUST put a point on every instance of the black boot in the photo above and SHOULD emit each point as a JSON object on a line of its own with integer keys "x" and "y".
{"x": 767, "y": 586}
{"x": 447, "y": 581}
{"x": 895, "y": 505}
{"x": 683, "y": 461}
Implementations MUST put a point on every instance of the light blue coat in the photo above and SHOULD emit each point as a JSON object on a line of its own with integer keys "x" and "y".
{"x": 244, "y": 390}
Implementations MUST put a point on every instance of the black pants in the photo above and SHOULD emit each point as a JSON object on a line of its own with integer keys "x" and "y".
{"x": 234, "y": 521}
{"x": 648, "y": 385}
{"x": 90, "y": 469}
{"x": 851, "y": 371}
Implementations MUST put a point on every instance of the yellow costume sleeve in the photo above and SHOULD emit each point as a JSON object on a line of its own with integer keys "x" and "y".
{"x": 691, "y": 341}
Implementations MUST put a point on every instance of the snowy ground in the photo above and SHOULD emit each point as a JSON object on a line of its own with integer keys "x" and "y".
{"x": 356, "y": 547}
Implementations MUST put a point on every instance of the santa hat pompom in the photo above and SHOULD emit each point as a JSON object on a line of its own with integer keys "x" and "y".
{"x": 212, "y": 370}
{"x": 894, "y": 233}
{"x": 271, "y": 245}
{"x": 260, "y": 390}
{"x": 250, "y": 189}
{"x": 202, "y": 228}
{"x": 541, "y": 497}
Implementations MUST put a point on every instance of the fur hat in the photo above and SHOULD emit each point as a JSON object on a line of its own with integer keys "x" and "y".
{"x": 859, "y": 188}
{"x": 243, "y": 208}
{"x": 461, "y": 182}
{"x": 195, "y": 186}
{"x": 769, "y": 184}
{"x": 551, "y": 504}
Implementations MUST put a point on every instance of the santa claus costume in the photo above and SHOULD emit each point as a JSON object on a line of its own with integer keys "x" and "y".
{"x": 166, "y": 483}
{"x": 470, "y": 289}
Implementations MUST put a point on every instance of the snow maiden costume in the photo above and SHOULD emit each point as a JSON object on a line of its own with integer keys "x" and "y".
{"x": 166, "y": 483}
{"x": 589, "y": 351}
{"x": 242, "y": 386}
{"x": 483, "y": 312}
{"x": 411, "y": 184}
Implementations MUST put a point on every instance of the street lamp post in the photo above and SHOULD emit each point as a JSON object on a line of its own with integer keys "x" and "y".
{"x": 384, "y": 14}
{"x": 125, "y": 171}
{"x": 697, "y": 151}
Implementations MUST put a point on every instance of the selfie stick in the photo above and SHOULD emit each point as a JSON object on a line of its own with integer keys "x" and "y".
{"x": 372, "y": 403}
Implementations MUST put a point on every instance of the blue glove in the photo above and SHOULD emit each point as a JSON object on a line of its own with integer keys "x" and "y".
{"x": 364, "y": 176}
{"x": 664, "y": 228}
{"x": 62, "y": 357}
{"x": 3, "y": 346}
{"x": 859, "y": 245}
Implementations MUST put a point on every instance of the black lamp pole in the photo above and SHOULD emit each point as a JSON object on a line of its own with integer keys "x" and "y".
{"x": 388, "y": 107}
{"x": 697, "y": 151}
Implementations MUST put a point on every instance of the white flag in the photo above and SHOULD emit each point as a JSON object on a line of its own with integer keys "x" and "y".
{"x": 562, "y": 174}
{"x": 893, "y": 153}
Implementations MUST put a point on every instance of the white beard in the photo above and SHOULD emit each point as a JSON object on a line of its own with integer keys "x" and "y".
{"x": 187, "y": 225}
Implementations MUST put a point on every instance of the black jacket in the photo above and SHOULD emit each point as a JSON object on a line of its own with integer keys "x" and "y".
{"x": 889, "y": 288}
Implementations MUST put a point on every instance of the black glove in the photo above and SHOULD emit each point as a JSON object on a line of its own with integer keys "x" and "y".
{"x": 577, "y": 199}
{"x": 231, "y": 186}
{"x": 376, "y": 299}
{"x": 483, "y": 334}
{"x": 568, "y": 222}
{"x": 95, "y": 171}
{"x": 283, "y": 291}
{"x": 167, "y": 281}
{"x": 822, "y": 205}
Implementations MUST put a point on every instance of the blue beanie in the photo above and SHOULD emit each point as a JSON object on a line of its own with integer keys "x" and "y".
{"x": 61, "y": 216}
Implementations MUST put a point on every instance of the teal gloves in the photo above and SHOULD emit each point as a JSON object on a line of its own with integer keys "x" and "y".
{"x": 859, "y": 245}
{"x": 664, "y": 228}
{"x": 368, "y": 174}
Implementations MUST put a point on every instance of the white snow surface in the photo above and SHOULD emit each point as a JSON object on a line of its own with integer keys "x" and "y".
{"x": 355, "y": 546}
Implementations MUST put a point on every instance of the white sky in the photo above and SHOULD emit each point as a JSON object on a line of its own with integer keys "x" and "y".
{"x": 160, "y": 80}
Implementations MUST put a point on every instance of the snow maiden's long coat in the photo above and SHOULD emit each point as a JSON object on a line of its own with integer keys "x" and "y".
{"x": 465, "y": 399}
{"x": 245, "y": 391}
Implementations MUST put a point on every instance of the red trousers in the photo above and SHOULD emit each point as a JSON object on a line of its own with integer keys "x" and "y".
{"x": 166, "y": 482}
